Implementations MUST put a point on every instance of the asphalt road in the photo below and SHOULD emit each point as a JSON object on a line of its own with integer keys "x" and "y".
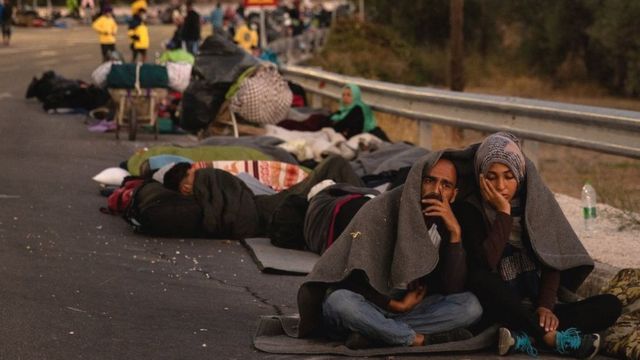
{"x": 78, "y": 284}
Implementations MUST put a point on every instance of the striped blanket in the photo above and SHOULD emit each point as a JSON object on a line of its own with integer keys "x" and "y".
{"x": 275, "y": 174}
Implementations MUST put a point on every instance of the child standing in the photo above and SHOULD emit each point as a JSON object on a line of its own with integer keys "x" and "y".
{"x": 106, "y": 28}
{"x": 139, "y": 35}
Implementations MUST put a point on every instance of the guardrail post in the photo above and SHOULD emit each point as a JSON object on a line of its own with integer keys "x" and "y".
{"x": 316, "y": 100}
{"x": 531, "y": 150}
{"x": 425, "y": 136}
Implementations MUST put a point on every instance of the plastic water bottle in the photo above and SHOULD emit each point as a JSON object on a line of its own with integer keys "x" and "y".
{"x": 588, "y": 206}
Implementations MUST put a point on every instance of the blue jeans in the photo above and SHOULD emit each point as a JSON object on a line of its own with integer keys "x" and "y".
{"x": 192, "y": 46}
{"x": 345, "y": 311}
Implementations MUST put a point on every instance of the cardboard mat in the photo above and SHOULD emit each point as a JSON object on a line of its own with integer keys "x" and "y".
{"x": 273, "y": 259}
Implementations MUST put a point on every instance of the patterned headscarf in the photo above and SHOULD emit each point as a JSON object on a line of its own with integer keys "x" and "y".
{"x": 503, "y": 148}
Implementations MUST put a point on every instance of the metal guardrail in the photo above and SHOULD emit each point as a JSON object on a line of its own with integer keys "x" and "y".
{"x": 299, "y": 48}
{"x": 602, "y": 129}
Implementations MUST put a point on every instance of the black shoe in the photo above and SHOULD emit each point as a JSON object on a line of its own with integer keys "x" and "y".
{"x": 458, "y": 334}
{"x": 571, "y": 342}
{"x": 357, "y": 341}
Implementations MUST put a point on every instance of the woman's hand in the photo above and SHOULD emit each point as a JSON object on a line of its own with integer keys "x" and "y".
{"x": 411, "y": 299}
{"x": 548, "y": 320}
{"x": 493, "y": 197}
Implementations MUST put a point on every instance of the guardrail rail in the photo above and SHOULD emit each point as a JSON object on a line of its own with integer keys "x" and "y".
{"x": 602, "y": 129}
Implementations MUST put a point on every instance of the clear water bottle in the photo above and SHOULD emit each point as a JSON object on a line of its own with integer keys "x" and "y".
{"x": 588, "y": 206}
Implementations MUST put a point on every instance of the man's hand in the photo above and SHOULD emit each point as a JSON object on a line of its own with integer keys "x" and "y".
{"x": 411, "y": 299}
{"x": 548, "y": 320}
{"x": 435, "y": 207}
{"x": 493, "y": 197}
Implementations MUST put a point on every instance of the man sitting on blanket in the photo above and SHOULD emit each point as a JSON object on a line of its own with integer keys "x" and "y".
{"x": 231, "y": 210}
{"x": 396, "y": 274}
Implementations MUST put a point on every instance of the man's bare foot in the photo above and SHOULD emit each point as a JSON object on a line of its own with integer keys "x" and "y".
{"x": 419, "y": 340}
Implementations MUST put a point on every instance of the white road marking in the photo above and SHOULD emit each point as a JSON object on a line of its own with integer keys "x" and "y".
{"x": 5, "y": 196}
{"x": 46, "y": 53}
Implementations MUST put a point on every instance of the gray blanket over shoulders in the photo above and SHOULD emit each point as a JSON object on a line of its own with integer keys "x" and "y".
{"x": 388, "y": 242}
{"x": 552, "y": 238}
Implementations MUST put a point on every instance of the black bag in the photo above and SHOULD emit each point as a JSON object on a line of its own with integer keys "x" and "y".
{"x": 158, "y": 211}
{"x": 286, "y": 229}
{"x": 55, "y": 91}
{"x": 217, "y": 66}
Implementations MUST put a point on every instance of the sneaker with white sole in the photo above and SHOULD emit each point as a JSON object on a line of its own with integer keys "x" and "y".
{"x": 572, "y": 343}
{"x": 516, "y": 342}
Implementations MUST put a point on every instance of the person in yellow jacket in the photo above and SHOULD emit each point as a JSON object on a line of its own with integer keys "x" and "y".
{"x": 137, "y": 5}
{"x": 139, "y": 35}
{"x": 106, "y": 28}
{"x": 246, "y": 37}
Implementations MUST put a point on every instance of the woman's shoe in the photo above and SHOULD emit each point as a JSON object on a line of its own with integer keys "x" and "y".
{"x": 571, "y": 342}
{"x": 518, "y": 341}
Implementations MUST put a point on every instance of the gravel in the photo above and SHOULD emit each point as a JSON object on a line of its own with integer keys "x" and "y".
{"x": 609, "y": 242}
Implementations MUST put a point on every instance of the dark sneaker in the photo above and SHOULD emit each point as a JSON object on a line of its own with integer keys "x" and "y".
{"x": 357, "y": 341}
{"x": 516, "y": 342}
{"x": 458, "y": 334}
{"x": 570, "y": 342}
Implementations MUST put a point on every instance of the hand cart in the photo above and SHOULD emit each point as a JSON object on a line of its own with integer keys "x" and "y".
{"x": 136, "y": 107}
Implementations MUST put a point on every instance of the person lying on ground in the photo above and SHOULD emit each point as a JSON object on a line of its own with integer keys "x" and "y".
{"x": 330, "y": 211}
{"x": 521, "y": 249}
{"x": 396, "y": 274}
{"x": 354, "y": 116}
{"x": 231, "y": 210}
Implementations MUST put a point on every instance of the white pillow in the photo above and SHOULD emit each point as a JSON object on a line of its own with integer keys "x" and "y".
{"x": 159, "y": 175}
{"x": 111, "y": 176}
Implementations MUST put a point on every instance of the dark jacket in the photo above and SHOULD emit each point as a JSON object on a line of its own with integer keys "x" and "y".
{"x": 191, "y": 26}
{"x": 229, "y": 210}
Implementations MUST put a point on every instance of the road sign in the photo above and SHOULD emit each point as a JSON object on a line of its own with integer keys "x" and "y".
{"x": 248, "y": 3}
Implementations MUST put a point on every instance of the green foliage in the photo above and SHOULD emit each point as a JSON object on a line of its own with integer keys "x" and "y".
{"x": 616, "y": 44}
{"x": 378, "y": 52}
{"x": 561, "y": 40}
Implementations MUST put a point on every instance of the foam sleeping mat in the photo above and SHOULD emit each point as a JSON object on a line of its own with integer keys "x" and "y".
{"x": 273, "y": 259}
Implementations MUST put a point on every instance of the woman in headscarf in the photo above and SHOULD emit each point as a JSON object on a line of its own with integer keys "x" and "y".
{"x": 520, "y": 249}
{"x": 354, "y": 116}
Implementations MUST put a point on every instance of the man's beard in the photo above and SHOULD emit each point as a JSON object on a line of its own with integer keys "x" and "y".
{"x": 431, "y": 220}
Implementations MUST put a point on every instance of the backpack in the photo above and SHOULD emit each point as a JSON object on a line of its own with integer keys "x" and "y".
{"x": 120, "y": 199}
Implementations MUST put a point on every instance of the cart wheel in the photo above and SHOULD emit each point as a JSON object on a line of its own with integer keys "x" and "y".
{"x": 133, "y": 123}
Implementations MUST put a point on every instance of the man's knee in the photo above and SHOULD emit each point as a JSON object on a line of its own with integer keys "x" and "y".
{"x": 469, "y": 309}
{"x": 341, "y": 303}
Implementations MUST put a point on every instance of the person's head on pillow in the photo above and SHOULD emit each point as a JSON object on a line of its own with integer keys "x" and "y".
{"x": 180, "y": 178}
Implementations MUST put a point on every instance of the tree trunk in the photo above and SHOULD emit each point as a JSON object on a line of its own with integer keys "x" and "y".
{"x": 456, "y": 61}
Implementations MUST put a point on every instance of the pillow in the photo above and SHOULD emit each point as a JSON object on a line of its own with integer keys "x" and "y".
{"x": 111, "y": 176}
{"x": 159, "y": 175}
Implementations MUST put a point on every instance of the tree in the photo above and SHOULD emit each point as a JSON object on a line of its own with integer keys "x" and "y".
{"x": 615, "y": 48}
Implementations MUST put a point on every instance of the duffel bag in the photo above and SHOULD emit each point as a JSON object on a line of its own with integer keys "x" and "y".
{"x": 124, "y": 76}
